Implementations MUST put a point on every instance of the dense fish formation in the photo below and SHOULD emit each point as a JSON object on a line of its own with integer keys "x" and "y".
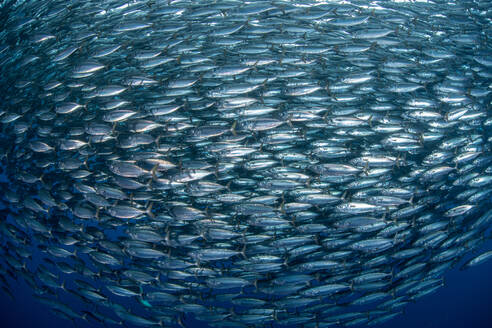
{"x": 287, "y": 163}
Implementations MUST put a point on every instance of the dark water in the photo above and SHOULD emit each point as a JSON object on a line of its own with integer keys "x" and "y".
{"x": 464, "y": 301}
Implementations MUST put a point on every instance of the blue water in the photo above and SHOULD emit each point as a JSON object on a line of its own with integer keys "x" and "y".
{"x": 464, "y": 302}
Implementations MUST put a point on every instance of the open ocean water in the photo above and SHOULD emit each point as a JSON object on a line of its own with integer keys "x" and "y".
{"x": 464, "y": 301}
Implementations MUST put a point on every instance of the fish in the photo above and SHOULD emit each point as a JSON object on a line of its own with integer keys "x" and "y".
{"x": 242, "y": 163}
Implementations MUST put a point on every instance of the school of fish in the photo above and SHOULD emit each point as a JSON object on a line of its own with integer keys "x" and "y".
{"x": 242, "y": 163}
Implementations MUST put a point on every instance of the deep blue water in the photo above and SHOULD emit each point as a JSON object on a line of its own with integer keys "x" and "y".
{"x": 465, "y": 301}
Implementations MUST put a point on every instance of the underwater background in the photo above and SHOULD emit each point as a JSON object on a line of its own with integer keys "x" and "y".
{"x": 464, "y": 301}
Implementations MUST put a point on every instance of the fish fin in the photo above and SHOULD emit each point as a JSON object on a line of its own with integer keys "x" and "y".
{"x": 289, "y": 121}
{"x": 397, "y": 161}
{"x": 149, "y": 210}
{"x": 180, "y": 322}
{"x": 154, "y": 170}
{"x": 243, "y": 252}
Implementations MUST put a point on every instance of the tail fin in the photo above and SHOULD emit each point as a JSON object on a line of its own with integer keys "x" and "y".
{"x": 148, "y": 210}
